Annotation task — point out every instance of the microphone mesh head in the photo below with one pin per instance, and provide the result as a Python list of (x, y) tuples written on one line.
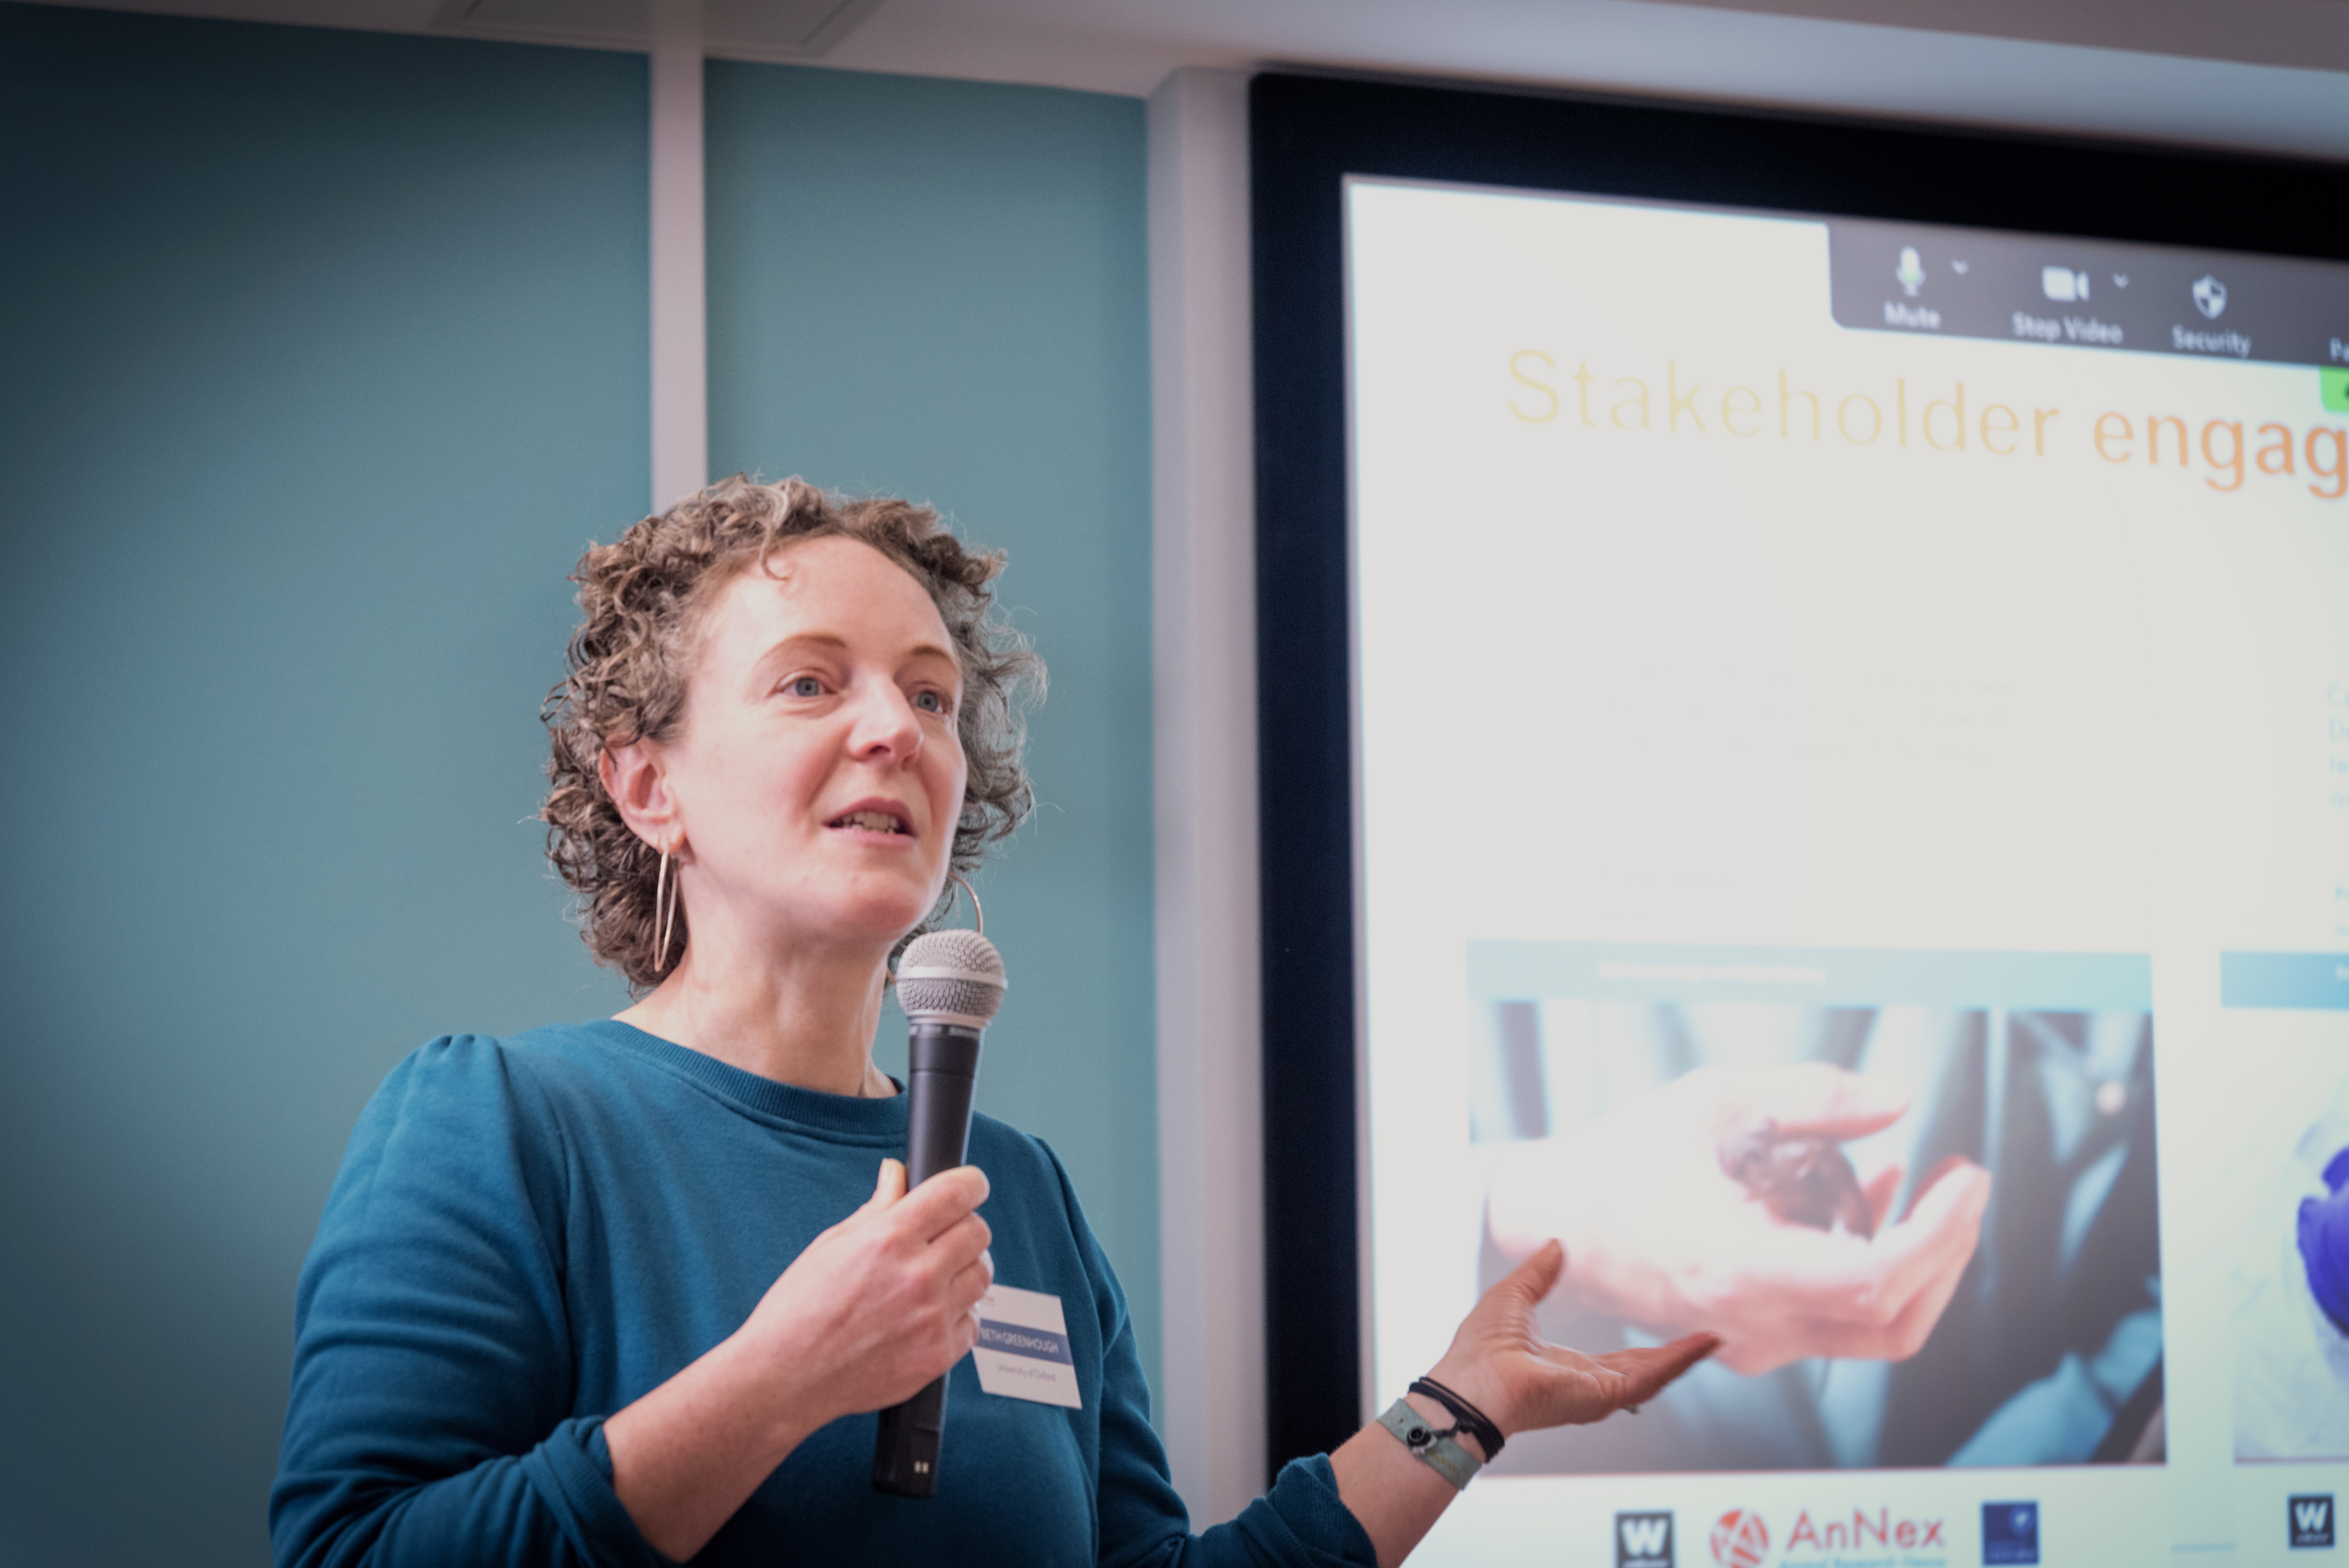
[(956, 972)]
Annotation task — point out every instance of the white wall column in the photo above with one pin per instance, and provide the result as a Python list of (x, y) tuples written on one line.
[(1202, 565), (681, 347)]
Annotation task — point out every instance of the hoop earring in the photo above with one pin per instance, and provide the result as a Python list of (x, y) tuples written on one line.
[(665, 896), (976, 914)]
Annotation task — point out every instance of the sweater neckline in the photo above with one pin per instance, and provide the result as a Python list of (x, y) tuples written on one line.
[(812, 1111)]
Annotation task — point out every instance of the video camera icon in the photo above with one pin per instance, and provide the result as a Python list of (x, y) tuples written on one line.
[(2063, 284)]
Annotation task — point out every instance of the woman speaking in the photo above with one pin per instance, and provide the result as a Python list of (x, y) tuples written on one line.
[(631, 1291)]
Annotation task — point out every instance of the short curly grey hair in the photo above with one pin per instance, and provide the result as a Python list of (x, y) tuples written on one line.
[(642, 599)]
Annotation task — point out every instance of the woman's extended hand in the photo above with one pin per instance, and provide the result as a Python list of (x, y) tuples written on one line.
[(873, 1310), (1500, 1363)]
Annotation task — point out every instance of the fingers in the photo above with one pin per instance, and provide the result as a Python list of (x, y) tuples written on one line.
[(960, 1245), (1935, 1240), (973, 1281), (1879, 1193), (1646, 1373), (959, 1302), (1559, 1387), (1959, 1199), (1933, 1178), (1840, 1278), (940, 1203), (888, 1186), (1915, 1324), (1821, 1100), (1878, 1300), (1532, 1281), (1816, 1293)]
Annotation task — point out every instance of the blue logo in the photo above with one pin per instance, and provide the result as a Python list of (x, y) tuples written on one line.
[(2010, 1533), (2312, 1520)]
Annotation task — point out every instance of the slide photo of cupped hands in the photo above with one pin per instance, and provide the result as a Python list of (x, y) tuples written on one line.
[(1925, 1233)]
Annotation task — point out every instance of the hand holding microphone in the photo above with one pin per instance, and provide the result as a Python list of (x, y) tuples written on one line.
[(880, 1308), (870, 1316), (881, 1303)]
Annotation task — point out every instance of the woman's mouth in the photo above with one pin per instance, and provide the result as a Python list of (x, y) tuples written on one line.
[(871, 819)]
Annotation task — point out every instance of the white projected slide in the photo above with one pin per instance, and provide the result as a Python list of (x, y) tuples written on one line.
[(1855, 842)]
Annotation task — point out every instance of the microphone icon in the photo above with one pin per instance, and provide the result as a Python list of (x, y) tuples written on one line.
[(1911, 271)]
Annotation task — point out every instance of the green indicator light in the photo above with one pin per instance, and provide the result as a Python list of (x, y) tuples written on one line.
[(2337, 388)]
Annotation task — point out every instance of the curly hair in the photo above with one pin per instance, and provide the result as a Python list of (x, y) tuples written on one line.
[(643, 600)]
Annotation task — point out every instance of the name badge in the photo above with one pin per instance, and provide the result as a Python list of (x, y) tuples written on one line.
[(1023, 1347)]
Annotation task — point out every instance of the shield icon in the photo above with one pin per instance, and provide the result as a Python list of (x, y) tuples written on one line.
[(2209, 296)]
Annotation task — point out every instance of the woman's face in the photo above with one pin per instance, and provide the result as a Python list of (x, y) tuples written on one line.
[(819, 776)]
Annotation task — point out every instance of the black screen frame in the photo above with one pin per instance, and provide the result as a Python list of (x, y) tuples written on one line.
[(1307, 133)]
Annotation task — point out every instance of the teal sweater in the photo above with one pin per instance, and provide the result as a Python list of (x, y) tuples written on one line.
[(529, 1233)]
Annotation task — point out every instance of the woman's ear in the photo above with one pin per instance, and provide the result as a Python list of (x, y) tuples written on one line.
[(638, 785)]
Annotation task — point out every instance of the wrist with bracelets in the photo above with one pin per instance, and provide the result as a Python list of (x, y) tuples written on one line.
[(1437, 1447)]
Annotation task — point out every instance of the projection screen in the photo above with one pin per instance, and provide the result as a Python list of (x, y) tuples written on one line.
[(1851, 727)]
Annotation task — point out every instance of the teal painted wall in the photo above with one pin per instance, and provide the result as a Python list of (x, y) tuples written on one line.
[(322, 354), (938, 289)]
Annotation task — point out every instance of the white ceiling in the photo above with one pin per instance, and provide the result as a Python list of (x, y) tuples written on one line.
[(2255, 74)]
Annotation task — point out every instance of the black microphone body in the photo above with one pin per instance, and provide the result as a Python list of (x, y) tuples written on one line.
[(941, 1078), (942, 1073)]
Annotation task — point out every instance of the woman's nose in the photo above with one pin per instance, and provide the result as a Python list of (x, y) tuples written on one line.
[(885, 725)]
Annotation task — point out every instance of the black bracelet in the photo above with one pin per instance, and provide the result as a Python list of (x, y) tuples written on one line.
[(1473, 1421)]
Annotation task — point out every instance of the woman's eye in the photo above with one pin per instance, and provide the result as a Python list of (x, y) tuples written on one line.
[(807, 685), (929, 702)]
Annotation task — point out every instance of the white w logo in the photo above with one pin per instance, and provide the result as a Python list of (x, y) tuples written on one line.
[(1644, 1537), (2310, 1515)]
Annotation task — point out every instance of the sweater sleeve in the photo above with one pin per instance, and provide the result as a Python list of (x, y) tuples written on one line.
[(429, 1420), (1301, 1524)]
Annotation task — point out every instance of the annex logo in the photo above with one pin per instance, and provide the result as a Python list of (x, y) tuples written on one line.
[(2312, 1520), (2010, 1533), (1740, 1539), (1866, 1533), (1643, 1541)]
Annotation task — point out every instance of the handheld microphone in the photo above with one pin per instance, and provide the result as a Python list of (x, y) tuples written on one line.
[(949, 982)]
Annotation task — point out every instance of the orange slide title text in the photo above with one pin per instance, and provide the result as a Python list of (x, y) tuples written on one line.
[(2225, 451)]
